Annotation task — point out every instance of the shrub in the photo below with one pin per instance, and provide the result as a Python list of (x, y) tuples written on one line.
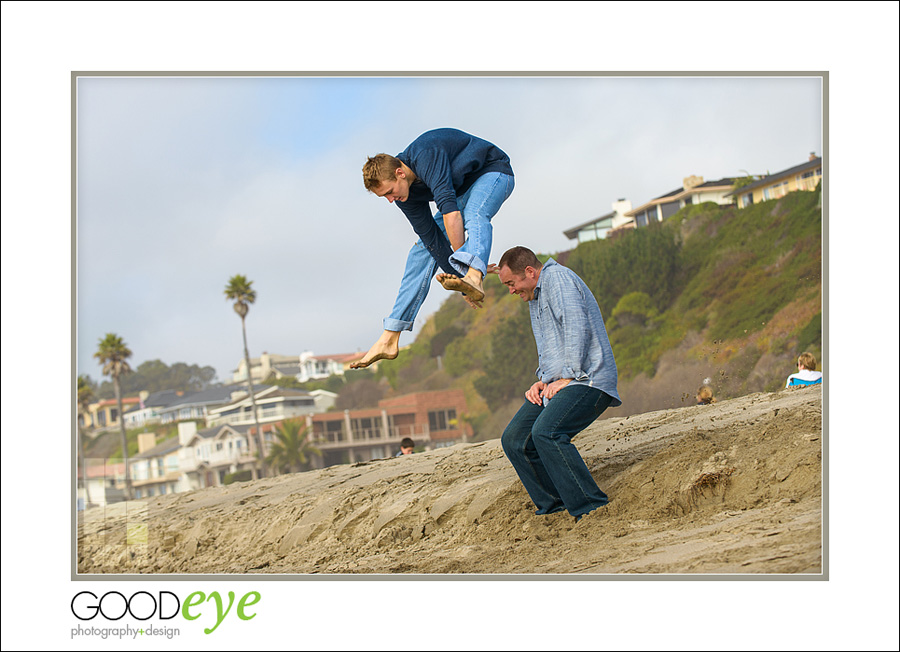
[(238, 476)]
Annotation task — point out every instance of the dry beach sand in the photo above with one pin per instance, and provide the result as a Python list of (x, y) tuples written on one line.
[(733, 488)]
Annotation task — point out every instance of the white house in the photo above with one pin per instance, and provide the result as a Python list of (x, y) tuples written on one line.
[(599, 227), (303, 367), (155, 470), (694, 191), (196, 405), (273, 404), (105, 483), (149, 410), (205, 457)]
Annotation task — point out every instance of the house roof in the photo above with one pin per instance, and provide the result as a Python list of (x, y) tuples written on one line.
[(111, 401), (766, 180), (725, 182), (162, 448), (287, 368), (211, 396), (104, 470), (160, 399), (572, 233), (263, 392)]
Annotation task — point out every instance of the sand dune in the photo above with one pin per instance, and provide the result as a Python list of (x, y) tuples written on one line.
[(730, 488)]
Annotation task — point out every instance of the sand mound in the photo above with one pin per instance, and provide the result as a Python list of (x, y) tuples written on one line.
[(729, 488)]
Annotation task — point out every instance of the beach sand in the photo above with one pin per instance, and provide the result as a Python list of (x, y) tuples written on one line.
[(733, 488)]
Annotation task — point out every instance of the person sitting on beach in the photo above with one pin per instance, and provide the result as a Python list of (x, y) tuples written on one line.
[(468, 179), (806, 372), (406, 447), (705, 395)]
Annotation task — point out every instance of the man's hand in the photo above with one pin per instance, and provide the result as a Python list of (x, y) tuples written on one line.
[(492, 269), (550, 390), (456, 233), (534, 393)]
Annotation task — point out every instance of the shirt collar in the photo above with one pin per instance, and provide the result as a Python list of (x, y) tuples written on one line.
[(537, 288)]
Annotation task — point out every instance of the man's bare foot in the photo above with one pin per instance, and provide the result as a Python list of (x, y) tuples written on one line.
[(470, 285), (386, 348), (473, 303)]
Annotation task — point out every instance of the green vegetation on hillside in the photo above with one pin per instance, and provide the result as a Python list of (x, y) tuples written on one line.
[(745, 283)]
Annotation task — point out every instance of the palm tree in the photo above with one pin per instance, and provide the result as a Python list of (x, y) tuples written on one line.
[(292, 448), (85, 398), (239, 291), (112, 354)]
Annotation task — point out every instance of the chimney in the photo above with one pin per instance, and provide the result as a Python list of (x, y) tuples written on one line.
[(812, 156), (146, 441), (186, 430), (692, 181)]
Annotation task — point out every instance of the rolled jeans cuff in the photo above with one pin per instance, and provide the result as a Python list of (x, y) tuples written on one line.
[(397, 325), (463, 260)]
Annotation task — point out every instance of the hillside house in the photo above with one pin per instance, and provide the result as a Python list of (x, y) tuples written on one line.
[(805, 176), (693, 191), (155, 469), (599, 227), (196, 405), (206, 456), (303, 367), (273, 404), (150, 406), (104, 414), (431, 419), (105, 483)]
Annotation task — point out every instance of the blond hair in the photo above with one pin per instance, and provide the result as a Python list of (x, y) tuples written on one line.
[(807, 360), (705, 395), (378, 169)]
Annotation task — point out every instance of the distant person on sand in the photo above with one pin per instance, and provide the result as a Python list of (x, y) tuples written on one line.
[(468, 179), (577, 381), (806, 372), (406, 447), (705, 395)]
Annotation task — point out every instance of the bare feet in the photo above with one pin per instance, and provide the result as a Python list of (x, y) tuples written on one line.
[(470, 284), (386, 348)]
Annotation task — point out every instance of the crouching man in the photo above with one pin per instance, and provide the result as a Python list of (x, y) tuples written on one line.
[(577, 381)]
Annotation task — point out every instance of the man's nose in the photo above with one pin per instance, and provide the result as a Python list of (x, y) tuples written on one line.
[(390, 198)]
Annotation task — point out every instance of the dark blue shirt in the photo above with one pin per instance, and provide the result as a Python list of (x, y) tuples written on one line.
[(446, 163)]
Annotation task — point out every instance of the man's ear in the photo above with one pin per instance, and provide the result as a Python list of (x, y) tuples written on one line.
[(399, 173)]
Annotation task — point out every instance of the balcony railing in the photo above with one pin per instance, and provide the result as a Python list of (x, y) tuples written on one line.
[(371, 436)]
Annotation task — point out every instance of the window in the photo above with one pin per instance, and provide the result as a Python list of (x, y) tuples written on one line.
[(442, 420), (334, 430)]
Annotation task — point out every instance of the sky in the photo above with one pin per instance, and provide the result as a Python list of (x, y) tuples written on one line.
[(183, 182), (246, 160)]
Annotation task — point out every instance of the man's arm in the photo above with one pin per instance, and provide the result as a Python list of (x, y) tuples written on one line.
[(419, 216), (453, 222)]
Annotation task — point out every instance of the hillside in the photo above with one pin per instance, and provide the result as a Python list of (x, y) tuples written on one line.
[(730, 488), (717, 293)]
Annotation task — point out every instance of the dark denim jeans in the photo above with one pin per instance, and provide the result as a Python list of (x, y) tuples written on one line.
[(538, 443)]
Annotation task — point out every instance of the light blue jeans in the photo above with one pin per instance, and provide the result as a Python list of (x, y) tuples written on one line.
[(478, 206)]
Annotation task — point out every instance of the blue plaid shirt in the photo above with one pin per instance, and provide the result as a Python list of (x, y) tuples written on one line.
[(569, 332)]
